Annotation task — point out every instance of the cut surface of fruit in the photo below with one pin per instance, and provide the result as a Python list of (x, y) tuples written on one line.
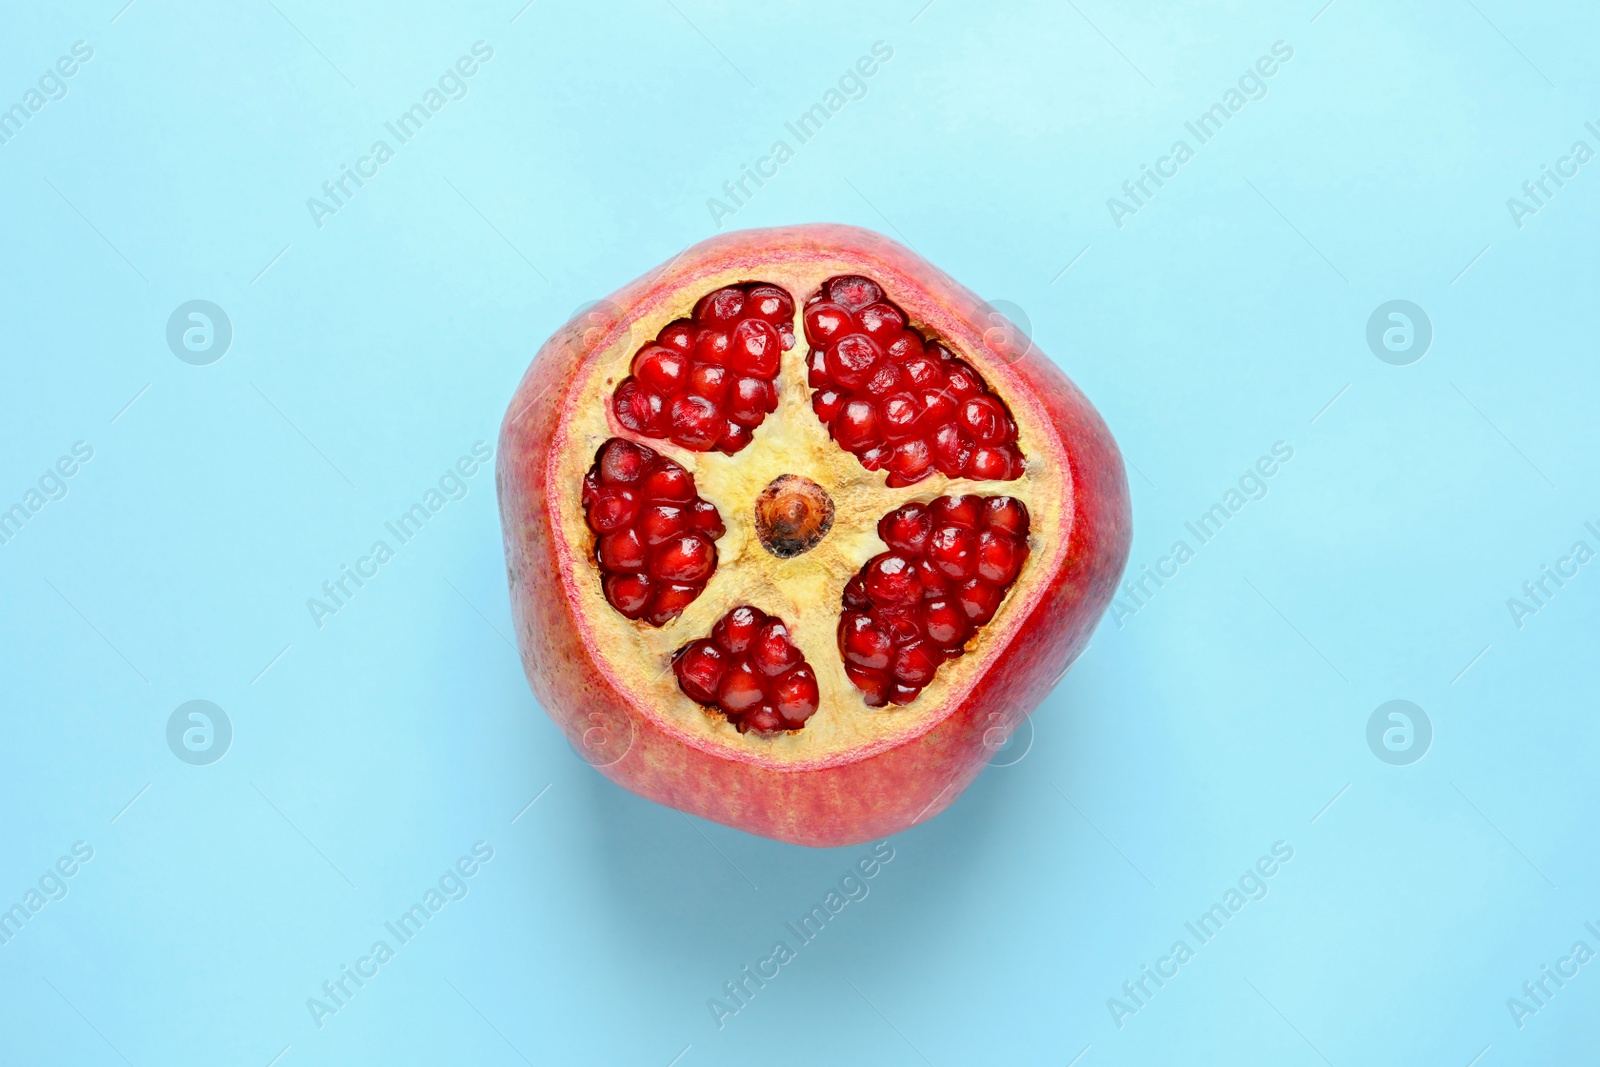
[(706, 381), (750, 672), (655, 538), (897, 401), (815, 632)]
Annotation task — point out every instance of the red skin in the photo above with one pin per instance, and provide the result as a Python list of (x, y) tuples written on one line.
[(892, 784)]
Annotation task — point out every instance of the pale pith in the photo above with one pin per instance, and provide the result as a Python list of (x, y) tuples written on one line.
[(804, 591)]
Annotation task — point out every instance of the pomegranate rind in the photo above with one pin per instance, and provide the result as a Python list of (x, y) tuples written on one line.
[(905, 775)]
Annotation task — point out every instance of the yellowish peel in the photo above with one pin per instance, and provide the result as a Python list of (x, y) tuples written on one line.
[(804, 591)]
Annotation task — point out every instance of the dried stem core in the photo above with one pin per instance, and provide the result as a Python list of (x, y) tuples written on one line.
[(793, 514)]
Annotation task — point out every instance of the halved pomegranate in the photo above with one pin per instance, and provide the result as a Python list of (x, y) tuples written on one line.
[(809, 632)]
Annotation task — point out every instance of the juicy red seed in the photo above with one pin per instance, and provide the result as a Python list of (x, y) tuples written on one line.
[(755, 349), (853, 291), (947, 623), (662, 521), (749, 671), (1006, 513), (915, 663), (690, 558), (862, 643), (999, 557), (654, 536), (724, 305), (795, 695), (922, 393), (908, 610), (849, 359), (638, 409), (771, 652), (827, 403), (696, 422), (733, 438), (661, 369), (979, 600), (954, 551), (735, 630), (669, 602), (621, 462), (964, 510), (752, 399), (711, 382), (910, 462), (611, 508), (700, 667), (622, 552), (898, 413), (874, 685), (891, 580), (856, 426), (682, 385), (906, 528), (763, 720), (629, 593)]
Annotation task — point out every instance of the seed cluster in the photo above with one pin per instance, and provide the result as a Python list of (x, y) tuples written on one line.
[(656, 542), (910, 609), (750, 672), (895, 400), (709, 380)]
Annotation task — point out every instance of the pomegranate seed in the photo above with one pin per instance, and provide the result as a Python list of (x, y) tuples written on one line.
[(862, 643), (874, 685), (979, 600), (1006, 513), (771, 652), (740, 689), (661, 522), (621, 462), (622, 552), (655, 537), (700, 667), (853, 291), (908, 610), (711, 382), (752, 399), (735, 630), (661, 370), (856, 426), (961, 428), (891, 580), (611, 508), (689, 559), (669, 602), (999, 557), (629, 593), (849, 360), (755, 349), (795, 695), (682, 386), (750, 672), (724, 305)]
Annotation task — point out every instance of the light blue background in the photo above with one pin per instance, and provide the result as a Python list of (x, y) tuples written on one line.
[(1228, 314)]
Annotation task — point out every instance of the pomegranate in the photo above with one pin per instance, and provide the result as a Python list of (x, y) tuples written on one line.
[(796, 589)]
